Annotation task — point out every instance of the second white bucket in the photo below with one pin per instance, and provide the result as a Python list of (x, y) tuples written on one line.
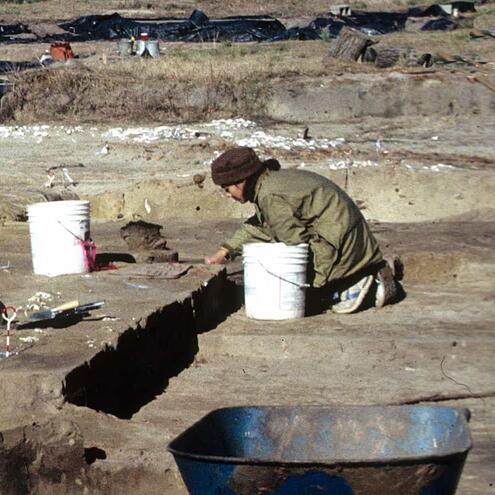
[(58, 232), (274, 280)]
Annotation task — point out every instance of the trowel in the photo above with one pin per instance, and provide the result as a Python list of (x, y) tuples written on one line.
[(66, 310), (53, 312)]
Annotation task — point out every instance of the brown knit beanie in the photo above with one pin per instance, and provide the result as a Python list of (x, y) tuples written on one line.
[(235, 165)]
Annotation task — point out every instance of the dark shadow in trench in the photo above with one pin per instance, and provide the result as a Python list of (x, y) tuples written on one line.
[(120, 380)]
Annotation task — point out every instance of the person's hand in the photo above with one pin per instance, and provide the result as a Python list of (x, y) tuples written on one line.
[(219, 258)]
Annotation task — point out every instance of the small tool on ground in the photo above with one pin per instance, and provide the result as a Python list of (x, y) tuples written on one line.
[(53, 312), (65, 311)]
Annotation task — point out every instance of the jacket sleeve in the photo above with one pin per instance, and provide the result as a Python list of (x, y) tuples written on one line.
[(251, 231), (282, 221)]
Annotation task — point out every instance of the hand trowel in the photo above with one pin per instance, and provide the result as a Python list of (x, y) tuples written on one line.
[(66, 310), (49, 314)]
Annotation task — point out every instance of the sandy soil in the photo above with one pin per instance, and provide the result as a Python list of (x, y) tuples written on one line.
[(424, 180), (435, 346)]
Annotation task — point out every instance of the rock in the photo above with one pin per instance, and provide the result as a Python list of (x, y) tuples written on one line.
[(199, 179), (143, 235)]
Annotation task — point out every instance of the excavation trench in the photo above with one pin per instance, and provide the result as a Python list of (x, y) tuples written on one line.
[(120, 379)]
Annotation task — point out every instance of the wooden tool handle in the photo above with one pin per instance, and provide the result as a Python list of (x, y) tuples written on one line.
[(64, 307)]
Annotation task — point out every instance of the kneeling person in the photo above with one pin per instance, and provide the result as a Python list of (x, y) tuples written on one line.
[(296, 206)]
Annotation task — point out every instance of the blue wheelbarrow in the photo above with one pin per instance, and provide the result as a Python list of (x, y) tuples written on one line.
[(313, 450)]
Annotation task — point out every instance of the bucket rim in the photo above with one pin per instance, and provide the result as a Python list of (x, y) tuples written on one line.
[(274, 245), (260, 461), (58, 204)]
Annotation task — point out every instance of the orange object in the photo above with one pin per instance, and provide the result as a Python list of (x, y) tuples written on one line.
[(61, 52)]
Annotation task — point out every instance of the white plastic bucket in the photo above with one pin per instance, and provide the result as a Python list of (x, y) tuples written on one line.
[(152, 46), (274, 280), (58, 230), (125, 47)]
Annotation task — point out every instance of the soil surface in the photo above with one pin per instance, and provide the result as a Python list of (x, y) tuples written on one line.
[(435, 346), (124, 381)]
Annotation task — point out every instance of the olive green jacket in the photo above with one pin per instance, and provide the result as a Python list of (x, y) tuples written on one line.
[(294, 206)]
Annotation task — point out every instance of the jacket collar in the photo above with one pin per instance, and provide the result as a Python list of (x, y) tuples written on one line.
[(257, 186)]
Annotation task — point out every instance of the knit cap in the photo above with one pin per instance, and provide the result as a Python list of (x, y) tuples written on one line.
[(235, 165)]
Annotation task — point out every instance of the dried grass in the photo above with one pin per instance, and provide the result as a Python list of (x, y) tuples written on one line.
[(187, 83)]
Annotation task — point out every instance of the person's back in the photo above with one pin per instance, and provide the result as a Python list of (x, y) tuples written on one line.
[(310, 196), (301, 206)]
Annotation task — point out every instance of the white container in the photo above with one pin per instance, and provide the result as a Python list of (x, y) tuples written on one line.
[(274, 280), (58, 231), (151, 46), (124, 47)]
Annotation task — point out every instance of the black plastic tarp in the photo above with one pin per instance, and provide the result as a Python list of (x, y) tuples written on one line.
[(13, 29), (6, 67), (200, 28), (245, 28), (197, 28)]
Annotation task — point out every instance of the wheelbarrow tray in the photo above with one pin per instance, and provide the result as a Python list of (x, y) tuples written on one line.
[(406, 450)]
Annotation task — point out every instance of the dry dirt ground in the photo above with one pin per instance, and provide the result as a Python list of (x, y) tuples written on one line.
[(98, 400), (435, 346)]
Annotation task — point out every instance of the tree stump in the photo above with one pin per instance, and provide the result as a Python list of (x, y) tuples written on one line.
[(404, 56), (350, 44)]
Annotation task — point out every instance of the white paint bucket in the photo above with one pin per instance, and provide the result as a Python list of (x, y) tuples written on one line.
[(274, 280), (151, 46), (58, 232)]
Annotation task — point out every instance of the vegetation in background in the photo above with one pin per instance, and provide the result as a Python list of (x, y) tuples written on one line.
[(186, 83), (19, 1), (196, 81)]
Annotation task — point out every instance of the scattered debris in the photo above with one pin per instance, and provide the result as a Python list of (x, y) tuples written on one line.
[(105, 150), (50, 178), (46, 59), (67, 178), (305, 134), (61, 52), (41, 297), (199, 179), (30, 339), (137, 286), (484, 81), (477, 34)]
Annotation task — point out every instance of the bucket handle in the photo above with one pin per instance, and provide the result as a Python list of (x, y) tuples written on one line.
[(89, 248), (300, 286)]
